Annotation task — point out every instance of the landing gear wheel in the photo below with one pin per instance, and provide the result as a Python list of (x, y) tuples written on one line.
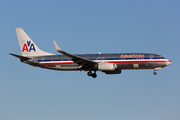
[(94, 75), (155, 73), (89, 73)]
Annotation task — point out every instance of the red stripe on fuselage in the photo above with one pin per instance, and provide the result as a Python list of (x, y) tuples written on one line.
[(120, 61), (56, 63)]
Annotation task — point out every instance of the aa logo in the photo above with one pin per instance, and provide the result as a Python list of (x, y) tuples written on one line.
[(28, 45)]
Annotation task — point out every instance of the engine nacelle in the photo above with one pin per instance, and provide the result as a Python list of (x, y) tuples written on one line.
[(107, 66)]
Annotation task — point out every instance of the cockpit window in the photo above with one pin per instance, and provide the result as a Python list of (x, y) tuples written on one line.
[(161, 57)]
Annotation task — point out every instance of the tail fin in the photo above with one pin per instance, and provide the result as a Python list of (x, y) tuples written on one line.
[(27, 46)]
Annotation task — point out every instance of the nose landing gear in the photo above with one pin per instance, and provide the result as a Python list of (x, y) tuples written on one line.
[(94, 75), (155, 73), (155, 69)]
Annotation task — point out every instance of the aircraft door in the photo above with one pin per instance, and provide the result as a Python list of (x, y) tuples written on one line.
[(151, 57)]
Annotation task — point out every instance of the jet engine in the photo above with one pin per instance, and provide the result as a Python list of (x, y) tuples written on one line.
[(107, 66)]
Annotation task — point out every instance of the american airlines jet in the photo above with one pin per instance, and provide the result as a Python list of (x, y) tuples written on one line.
[(107, 63)]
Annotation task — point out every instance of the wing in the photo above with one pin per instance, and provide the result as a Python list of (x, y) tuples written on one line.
[(77, 59)]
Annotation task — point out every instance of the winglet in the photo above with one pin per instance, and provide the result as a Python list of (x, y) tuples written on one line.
[(56, 46)]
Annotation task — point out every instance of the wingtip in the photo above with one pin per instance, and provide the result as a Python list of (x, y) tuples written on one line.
[(56, 46), (10, 54)]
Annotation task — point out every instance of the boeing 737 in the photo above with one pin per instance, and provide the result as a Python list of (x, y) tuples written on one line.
[(107, 63)]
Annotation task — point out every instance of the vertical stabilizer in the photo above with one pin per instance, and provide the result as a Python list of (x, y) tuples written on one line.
[(27, 46)]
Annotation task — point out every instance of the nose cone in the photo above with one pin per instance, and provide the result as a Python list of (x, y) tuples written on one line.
[(168, 62)]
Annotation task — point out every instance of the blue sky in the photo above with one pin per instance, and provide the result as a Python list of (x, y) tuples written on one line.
[(94, 26)]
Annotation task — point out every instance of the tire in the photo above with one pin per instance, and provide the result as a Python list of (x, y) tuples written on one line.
[(94, 75)]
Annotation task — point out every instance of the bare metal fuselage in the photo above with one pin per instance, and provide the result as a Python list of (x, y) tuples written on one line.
[(127, 61)]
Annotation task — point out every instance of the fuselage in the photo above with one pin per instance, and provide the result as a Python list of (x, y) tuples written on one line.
[(122, 60)]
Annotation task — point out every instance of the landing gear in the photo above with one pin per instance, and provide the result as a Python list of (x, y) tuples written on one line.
[(94, 75), (89, 73), (155, 73), (155, 69)]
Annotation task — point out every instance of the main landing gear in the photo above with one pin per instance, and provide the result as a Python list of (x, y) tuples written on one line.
[(94, 75)]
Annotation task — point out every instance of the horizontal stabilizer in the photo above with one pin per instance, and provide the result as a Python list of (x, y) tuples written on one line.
[(20, 57)]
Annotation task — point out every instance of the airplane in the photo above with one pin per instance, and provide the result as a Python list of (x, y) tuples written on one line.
[(107, 63)]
